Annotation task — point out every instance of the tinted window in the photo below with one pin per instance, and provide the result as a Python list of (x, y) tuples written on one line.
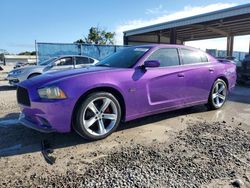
[(65, 61), (166, 57), (203, 57), (82, 60), (125, 58), (91, 60), (191, 57)]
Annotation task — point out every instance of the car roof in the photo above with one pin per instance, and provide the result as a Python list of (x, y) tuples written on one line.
[(62, 56), (72, 56), (166, 46)]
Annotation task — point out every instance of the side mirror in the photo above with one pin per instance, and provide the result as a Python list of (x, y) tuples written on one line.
[(152, 63), (53, 64)]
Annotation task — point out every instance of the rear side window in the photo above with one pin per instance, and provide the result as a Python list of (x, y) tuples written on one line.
[(166, 56), (91, 60), (82, 60), (192, 57), (204, 57)]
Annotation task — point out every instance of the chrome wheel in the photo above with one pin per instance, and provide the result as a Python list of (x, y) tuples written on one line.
[(219, 94), (100, 116)]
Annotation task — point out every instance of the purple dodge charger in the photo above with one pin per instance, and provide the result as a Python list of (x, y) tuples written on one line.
[(133, 83)]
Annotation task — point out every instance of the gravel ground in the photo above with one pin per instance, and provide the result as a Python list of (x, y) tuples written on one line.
[(4, 72), (198, 155), (8, 102), (192, 147)]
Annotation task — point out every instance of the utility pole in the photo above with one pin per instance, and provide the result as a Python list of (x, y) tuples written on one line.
[(36, 53), (230, 44), (249, 47)]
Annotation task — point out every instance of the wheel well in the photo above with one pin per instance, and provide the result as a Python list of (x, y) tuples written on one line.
[(224, 79), (111, 90), (37, 73)]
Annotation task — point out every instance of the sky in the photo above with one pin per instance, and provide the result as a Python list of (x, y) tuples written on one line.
[(65, 21)]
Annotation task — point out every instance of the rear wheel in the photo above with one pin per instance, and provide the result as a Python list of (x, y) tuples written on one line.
[(97, 116), (218, 95)]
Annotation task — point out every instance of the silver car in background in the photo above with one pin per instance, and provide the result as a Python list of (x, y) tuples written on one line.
[(54, 64)]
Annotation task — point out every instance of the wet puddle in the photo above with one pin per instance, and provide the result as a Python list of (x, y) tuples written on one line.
[(9, 122), (10, 149)]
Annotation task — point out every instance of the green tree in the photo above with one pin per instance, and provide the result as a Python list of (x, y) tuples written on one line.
[(27, 53), (79, 41), (98, 36)]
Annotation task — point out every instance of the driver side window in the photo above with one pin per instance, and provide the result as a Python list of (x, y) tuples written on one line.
[(64, 62), (166, 56)]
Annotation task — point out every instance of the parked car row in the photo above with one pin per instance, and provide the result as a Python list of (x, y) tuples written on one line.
[(132, 83), (22, 64), (234, 60), (54, 64), (243, 72), (243, 67)]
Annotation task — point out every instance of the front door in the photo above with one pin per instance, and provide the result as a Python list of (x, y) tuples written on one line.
[(165, 84)]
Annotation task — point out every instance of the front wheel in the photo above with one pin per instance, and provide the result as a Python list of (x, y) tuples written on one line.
[(218, 95), (97, 116)]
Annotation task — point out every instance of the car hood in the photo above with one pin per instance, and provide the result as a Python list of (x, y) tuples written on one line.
[(29, 68), (54, 76)]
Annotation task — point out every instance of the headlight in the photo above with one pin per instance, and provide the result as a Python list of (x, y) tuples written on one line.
[(51, 93), (15, 72)]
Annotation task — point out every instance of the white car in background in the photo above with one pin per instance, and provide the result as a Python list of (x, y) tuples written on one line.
[(54, 64)]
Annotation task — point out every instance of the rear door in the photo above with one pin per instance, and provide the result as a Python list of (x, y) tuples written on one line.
[(199, 75)]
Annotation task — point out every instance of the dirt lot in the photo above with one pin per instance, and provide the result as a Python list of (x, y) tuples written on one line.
[(192, 147)]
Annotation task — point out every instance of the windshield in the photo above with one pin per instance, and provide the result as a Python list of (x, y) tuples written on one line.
[(48, 61), (126, 58)]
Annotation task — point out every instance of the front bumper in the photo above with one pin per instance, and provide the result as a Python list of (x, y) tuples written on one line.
[(44, 115), (13, 81), (47, 116), (42, 127)]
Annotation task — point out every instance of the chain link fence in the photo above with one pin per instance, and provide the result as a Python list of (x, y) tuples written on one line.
[(49, 50)]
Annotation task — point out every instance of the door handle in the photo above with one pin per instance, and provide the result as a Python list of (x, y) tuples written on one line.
[(181, 75), (211, 69)]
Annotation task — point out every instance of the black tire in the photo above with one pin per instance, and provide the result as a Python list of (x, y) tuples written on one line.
[(78, 122), (211, 102), (33, 75)]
